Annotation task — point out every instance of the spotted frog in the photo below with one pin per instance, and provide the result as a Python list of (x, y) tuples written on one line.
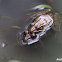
[(43, 20)]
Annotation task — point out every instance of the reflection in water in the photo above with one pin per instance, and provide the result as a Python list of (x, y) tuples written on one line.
[(3, 44), (14, 61)]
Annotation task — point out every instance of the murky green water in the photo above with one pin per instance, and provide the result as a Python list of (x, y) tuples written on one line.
[(15, 9)]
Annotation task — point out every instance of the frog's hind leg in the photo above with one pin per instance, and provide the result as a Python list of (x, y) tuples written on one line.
[(56, 24)]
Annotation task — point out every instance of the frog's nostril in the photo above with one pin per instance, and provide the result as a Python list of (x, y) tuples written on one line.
[(33, 35)]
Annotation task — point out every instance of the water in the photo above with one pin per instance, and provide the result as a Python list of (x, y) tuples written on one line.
[(48, 51)]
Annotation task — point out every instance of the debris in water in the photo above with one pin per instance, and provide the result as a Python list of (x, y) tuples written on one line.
[(3, 44), (13, 61)]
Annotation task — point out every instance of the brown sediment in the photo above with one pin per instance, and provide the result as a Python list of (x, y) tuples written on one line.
[(50, 1)]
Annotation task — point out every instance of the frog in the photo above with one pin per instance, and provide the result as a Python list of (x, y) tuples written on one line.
[(43, 21)]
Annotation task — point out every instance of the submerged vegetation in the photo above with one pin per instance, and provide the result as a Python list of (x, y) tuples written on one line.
[(17, 27), (5, 29)]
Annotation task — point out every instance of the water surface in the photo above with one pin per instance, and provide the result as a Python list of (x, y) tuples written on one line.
[(15, 9)]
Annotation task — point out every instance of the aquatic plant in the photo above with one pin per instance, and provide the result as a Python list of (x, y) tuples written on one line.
[(42, 6), (17, 27)]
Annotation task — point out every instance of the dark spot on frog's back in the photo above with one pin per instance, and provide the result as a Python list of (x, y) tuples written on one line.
[(38, 29), (41, 28)]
